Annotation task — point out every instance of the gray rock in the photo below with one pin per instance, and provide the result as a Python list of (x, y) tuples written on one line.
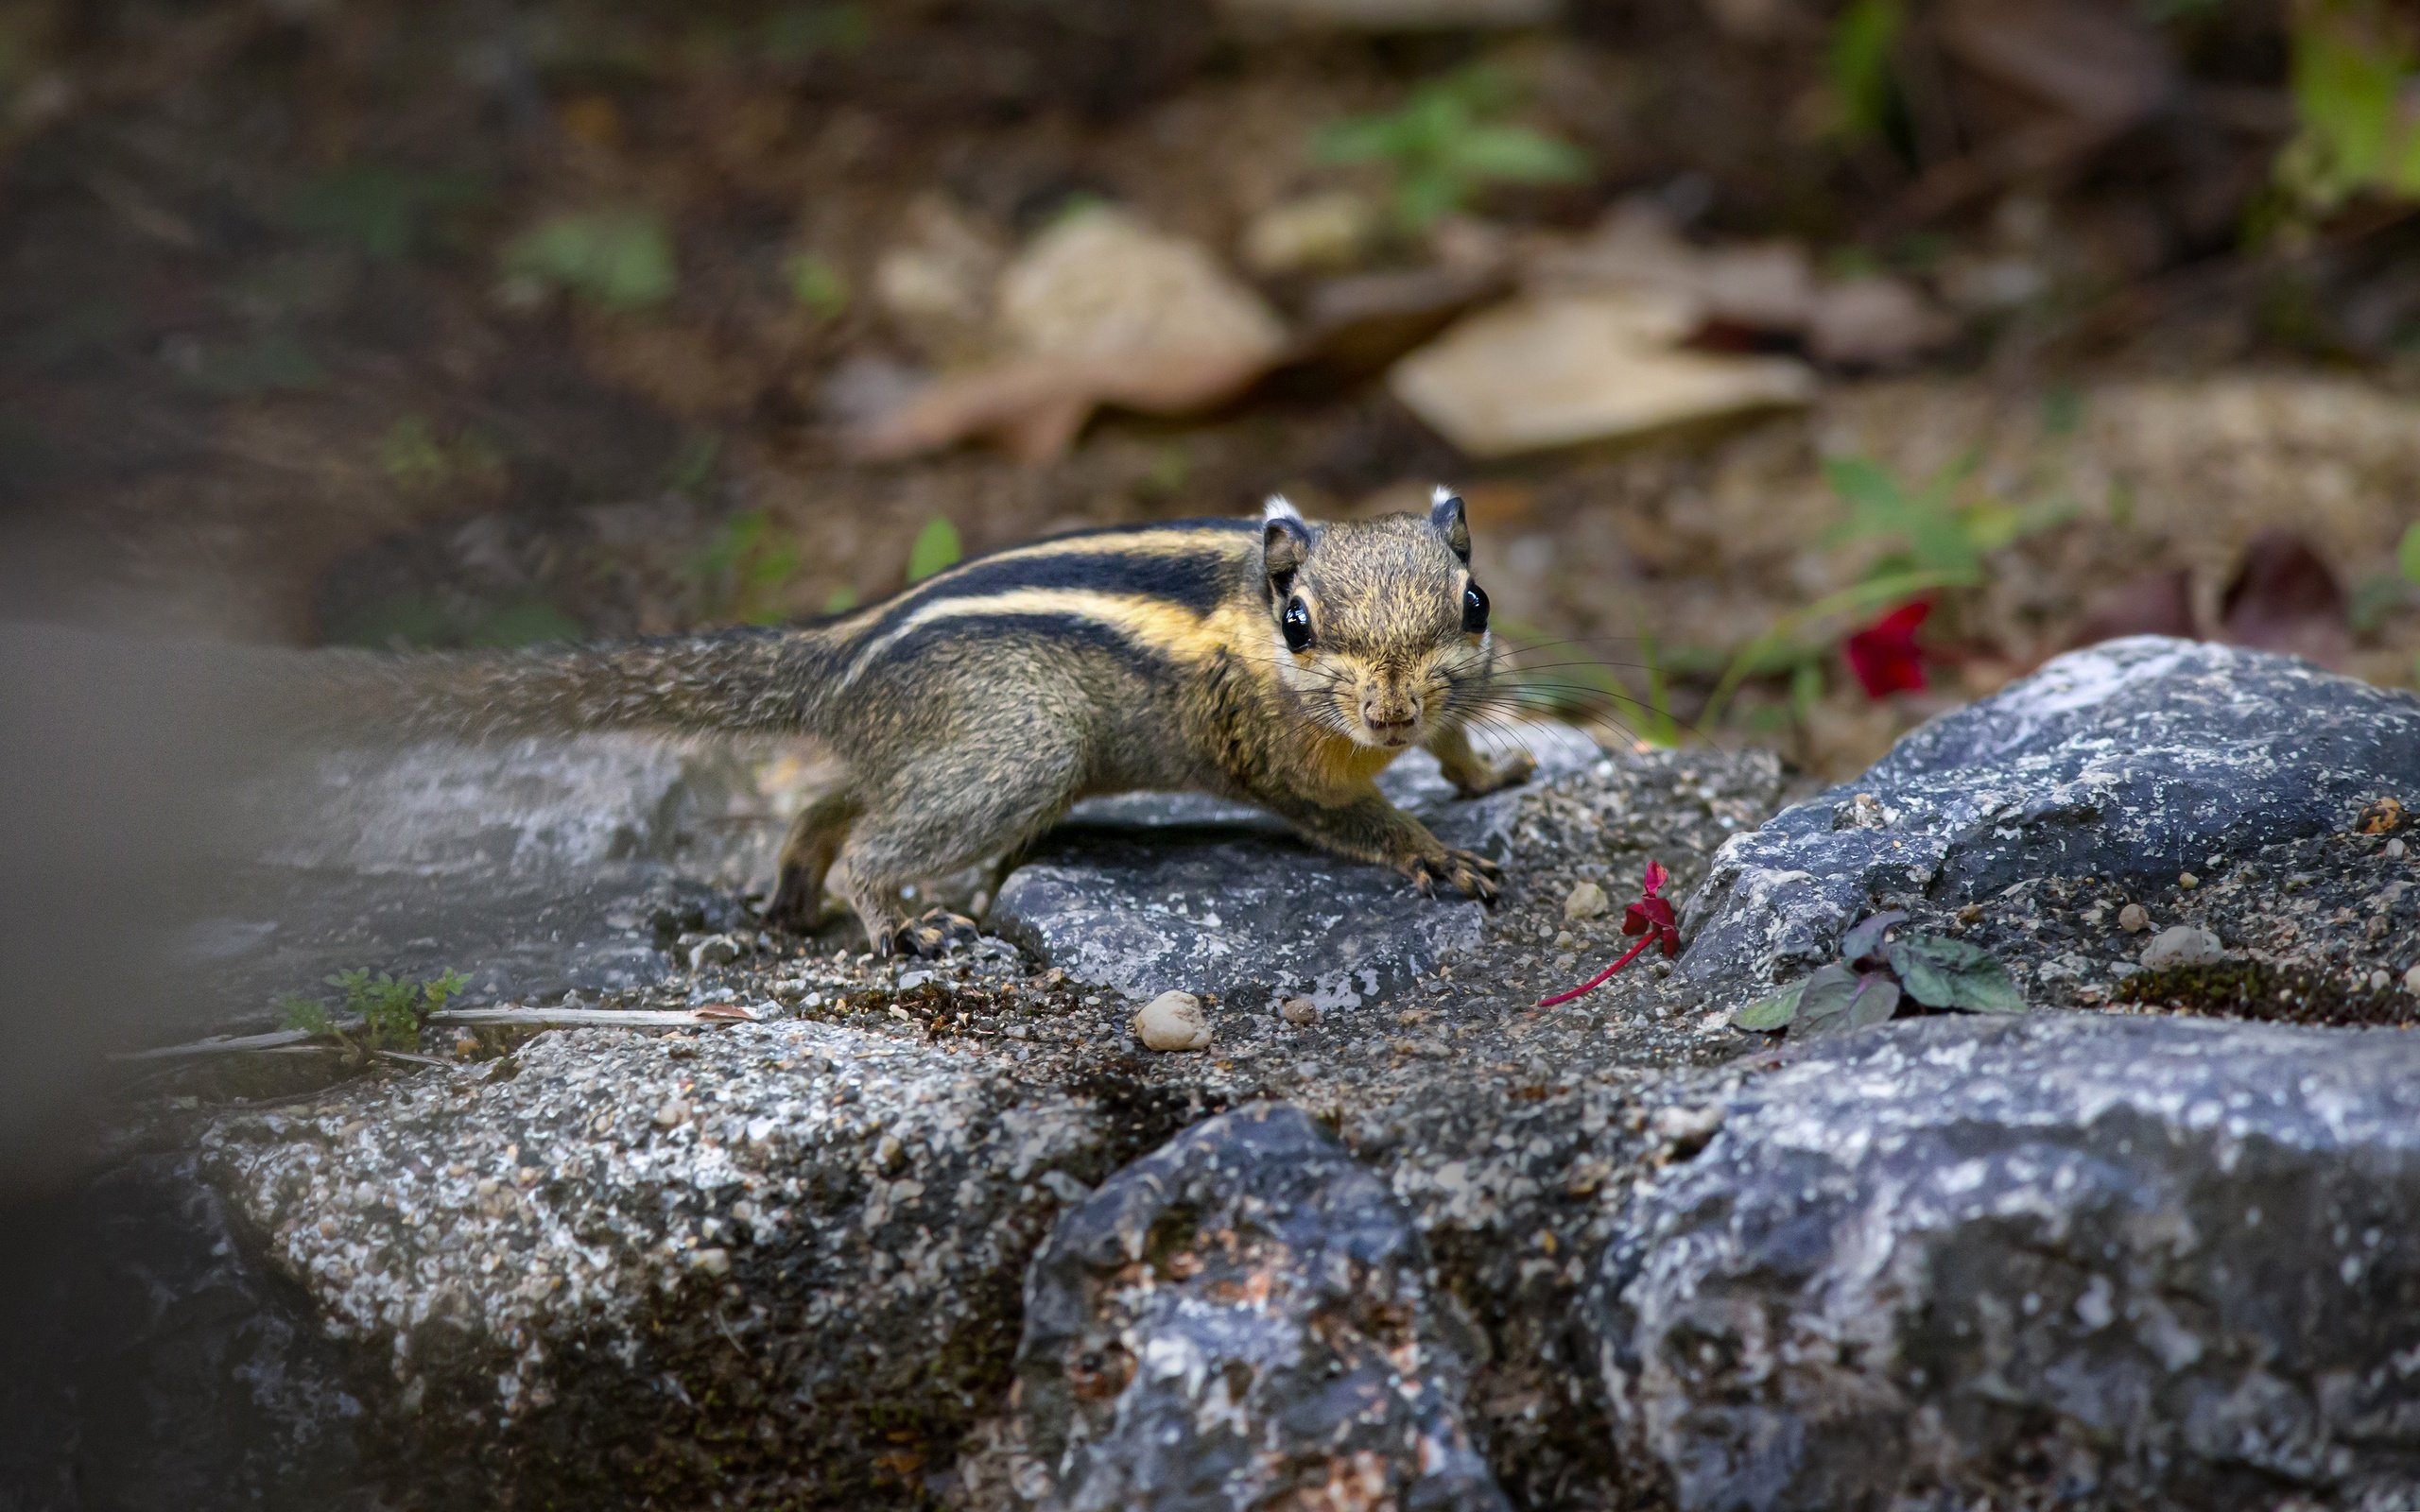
[(767, 1239), (1244, 1320), (1155, 893), (2112, 1262), (2134, 760)]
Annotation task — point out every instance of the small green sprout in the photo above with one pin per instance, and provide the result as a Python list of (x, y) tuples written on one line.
[(390, 1009), (1445, 145)]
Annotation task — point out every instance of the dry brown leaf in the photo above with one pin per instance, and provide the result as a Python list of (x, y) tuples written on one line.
[(1551, 371), (1034, 408), (1100, 310)]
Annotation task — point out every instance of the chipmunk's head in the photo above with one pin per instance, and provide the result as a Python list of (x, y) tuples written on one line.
[(1376, 625)]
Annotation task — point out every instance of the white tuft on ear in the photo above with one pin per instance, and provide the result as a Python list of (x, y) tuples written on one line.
[(1439, 496), (1280, 508)]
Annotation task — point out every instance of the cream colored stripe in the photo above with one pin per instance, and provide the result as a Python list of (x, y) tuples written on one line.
[(1151, 622)]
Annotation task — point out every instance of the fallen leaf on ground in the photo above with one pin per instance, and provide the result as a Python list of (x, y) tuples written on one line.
[(1100, 310), (1558, 369)]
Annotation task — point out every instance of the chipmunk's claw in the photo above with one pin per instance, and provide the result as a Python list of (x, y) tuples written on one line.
[(935, 932), (1466, 871)]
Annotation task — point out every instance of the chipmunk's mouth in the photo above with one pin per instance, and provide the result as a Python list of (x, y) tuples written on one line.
[(1397, 733)]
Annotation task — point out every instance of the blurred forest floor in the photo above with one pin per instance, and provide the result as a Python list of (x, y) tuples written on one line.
[(1807, 367)]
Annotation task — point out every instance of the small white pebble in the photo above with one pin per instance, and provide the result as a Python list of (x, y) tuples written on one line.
[(2133, 919), (2394, 850), (1299, 1012), (1172, 1021), (2411, 980), (672, 1114), (2182, 945), (2187, 880), (2377, 981), (713, 1262), (1585, 900)]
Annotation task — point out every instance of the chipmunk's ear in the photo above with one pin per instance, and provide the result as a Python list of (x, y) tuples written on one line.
[(1285, 540), (1446, 513)]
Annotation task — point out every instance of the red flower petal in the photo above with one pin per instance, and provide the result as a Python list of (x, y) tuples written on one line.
[(1884, 654), (1651, 919)]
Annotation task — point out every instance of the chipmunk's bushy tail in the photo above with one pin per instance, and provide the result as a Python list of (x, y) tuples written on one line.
[(748, 681)]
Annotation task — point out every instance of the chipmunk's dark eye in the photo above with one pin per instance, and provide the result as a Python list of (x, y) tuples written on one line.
[(1296, 623), (1473, 609)]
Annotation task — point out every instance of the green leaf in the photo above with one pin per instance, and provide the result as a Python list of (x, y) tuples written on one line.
[(1772, 1011), (936, 547), (1866, 939), (1361, 139), (1516, 154), (1876, 998), (1866, 483), (2407, 556), (840, 600), (1951, 973), (1824, 1005), (817, 284), (615, 259), (298, 1012), (1424, 199)]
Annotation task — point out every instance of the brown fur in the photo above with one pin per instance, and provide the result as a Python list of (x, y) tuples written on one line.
[(972, 709)]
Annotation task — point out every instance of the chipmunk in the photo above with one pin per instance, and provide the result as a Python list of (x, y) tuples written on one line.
[(1277, 661)]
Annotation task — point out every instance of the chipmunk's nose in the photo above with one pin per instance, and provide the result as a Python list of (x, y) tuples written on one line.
[(1392, 714)]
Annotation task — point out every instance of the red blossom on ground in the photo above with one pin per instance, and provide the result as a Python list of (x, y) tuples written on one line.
[(1649, 919), (1884, 654)]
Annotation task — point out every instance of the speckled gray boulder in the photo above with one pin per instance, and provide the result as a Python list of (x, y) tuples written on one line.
[(1149, 894), (1245, 1319), (2065, 1260), (756, 1266), (2137, 759)]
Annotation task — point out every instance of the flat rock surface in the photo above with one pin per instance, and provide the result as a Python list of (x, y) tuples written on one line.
[(2070, 1258), (1151, 894), (2134, 762)]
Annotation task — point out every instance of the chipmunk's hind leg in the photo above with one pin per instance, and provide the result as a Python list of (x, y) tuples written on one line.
[(945, 812), (814, 842)]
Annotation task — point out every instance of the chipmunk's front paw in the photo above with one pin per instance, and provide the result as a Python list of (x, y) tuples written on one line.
[(1511, 771), (935, 932), (1466, 871)]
